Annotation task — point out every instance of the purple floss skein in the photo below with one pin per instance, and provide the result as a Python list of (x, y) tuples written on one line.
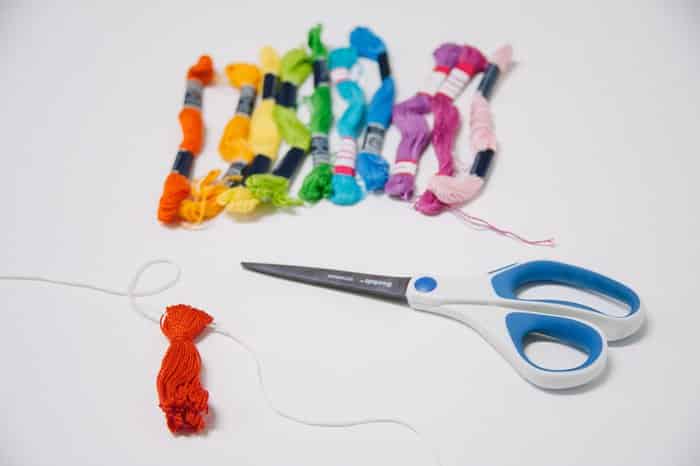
[(447, 121), (409, 118)]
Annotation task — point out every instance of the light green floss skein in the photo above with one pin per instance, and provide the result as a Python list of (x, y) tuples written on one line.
[(317, 184), (295, 67)]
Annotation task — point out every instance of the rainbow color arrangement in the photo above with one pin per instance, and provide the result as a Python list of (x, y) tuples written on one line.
[(345, 174)]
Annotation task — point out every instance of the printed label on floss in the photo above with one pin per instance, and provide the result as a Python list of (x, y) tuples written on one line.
[(321, 75), (246, 101), (193, 94), (320, 150), (374, 139)]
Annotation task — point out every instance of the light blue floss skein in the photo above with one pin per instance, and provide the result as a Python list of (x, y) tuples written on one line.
[(346, 191), (372, 167)]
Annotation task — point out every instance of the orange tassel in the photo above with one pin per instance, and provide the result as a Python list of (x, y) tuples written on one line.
[(182, 398)]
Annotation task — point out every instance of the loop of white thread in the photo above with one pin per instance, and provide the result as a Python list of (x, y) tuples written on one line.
[(132, 293)]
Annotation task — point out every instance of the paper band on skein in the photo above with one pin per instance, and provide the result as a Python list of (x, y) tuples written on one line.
[(321, 75), (435, 79), (260, 164), (384, 67), (320, 150), (287, 95), (373, 141), (234, 174), (290, 163), (183, 162), (246, 101), (455, 83), (269, 87), (193, 94), (404, 168), (345, 157), (482, 161), (339, 75), (488, 81)]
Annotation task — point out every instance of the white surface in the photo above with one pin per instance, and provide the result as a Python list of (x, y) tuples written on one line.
[(598, 124)]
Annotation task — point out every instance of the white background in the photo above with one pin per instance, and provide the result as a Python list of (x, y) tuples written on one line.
[(599, 129)]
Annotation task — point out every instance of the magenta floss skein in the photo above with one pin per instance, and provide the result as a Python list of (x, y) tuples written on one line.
[(447, 121), (346, 191), (456, 191), (371, 166), (409, 117)]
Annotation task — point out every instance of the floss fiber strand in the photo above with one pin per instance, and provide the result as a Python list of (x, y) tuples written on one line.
[(177, 186), (409, 117), (447, 121), (180, 393), (264, 138), (317, 184), (346, 191), (272, 188), (371, 166)]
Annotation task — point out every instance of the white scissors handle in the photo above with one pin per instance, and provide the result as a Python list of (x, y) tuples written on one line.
[(490, 305), (506, 331)]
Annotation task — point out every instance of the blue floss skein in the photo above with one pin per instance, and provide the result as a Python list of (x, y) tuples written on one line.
[(346, 191), (371, 166)]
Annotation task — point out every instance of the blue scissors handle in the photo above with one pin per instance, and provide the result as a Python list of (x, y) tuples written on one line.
[(507, 282)]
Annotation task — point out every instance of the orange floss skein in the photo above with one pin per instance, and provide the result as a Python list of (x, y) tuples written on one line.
[(182, 397), (177, 185), (234, 146)]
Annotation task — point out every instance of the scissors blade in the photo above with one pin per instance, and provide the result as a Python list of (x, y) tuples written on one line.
[(378, 286)]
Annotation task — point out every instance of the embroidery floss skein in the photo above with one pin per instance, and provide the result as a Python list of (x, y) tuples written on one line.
[(409, 117), (371, 166), (177, 185), (447, 121), (264, 138), (317, 184), (182, 321), (234, 146), (459, 190), (272, 188), (346, 191)]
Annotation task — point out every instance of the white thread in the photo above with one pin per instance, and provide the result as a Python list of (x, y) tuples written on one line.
[(131, 293)]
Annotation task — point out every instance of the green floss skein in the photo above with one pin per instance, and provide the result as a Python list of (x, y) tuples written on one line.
[(272, 188), (317, 184)]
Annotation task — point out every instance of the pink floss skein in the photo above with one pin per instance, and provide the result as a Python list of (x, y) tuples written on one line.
[(456, 191), (447, 121), (409, 117)]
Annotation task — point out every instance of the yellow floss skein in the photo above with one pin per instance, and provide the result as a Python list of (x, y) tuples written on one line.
[(202, 205), (234, 145), (264, 139)]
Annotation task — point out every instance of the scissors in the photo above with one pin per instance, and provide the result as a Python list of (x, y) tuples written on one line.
[(489, 304)]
